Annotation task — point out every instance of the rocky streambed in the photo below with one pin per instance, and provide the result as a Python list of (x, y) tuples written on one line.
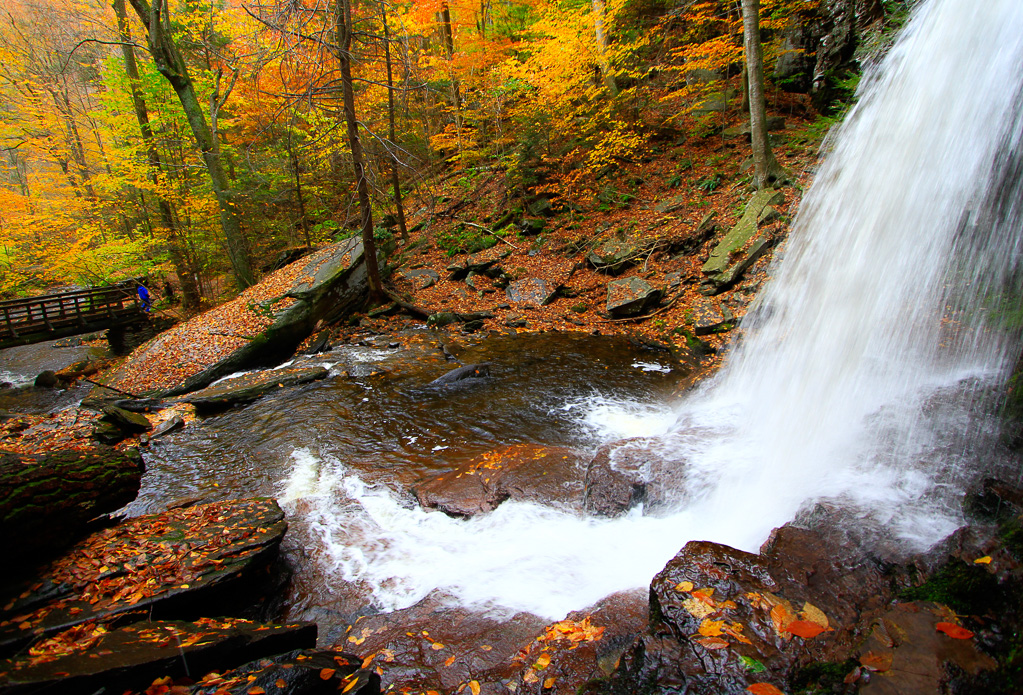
[(205, 589)]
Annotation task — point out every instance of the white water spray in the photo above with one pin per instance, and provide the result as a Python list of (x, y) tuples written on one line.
[(902, 246)]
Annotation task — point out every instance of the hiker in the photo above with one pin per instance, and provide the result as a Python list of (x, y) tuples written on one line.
[(143, 297)]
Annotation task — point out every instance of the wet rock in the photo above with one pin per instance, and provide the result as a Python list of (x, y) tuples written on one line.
[(249, 387), (480, 283), (422, 278), (523, 472), (433, 646), (584, 647), (741, 247), (125, 420), (169, 425), (46, 500), (516, 321), (909, 654), (210, 558), (722, 619), (441, 319), (631, 296), (532, 291), (46, 380), (469, 371), (302, 672), (91, 659), (710, 316), (627, 473)]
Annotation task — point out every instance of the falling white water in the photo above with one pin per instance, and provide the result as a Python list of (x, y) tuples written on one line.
[(901, 248)]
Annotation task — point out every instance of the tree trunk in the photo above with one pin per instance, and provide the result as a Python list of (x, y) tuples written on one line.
[(342, 47), (186, 276), (767, 170), (395, 182), (170, 63), (605, 66)]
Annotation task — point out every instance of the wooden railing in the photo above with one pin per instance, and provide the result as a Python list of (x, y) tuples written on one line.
[(50, 316)]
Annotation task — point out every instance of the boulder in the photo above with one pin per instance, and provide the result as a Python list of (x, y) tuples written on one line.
[(249, 387), (46, 380), (47, 500), (469, 371), (89, 658), (723, 620), (710, 316), (210, 558), (531, 226), (523, 472), (631, 296), (477, 262), (125, 420), (532, 292), (259, 327), (616, 255), (624, 474), (741, 246)]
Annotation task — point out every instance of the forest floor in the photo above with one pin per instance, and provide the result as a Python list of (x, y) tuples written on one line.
[(694, 177)]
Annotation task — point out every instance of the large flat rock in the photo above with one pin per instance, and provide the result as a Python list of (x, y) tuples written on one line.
[(261, 325), (249, 387), (88, 658), (170, 565)]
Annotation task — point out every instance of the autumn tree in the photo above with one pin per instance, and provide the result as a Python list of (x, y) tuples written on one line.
[(171, 64)]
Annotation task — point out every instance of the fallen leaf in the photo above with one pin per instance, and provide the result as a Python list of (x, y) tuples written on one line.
[(878, 662), (954, 631), (686, 586), (549, 683), (474, 687), (710, 642), (815, 615), (543, 661), (764, 689), (804, 629), (698, 609), (986, 560), (436, 645), (281, 683), (448, 662), (256, 691), (327, 673), (752, 665), (711, 628)]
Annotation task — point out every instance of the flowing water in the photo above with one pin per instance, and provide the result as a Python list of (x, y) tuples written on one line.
[(864, 378)]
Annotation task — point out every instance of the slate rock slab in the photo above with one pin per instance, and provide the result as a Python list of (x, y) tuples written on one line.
[(742, 245), (629, 472), (300, 672), (89, 657), (616, 255), (47, 499), (167, 565), (631, 296), (251, 386), (524, 472), (532, 291), (709, 316)]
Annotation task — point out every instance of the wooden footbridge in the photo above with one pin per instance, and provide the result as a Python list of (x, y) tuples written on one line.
[(52, 316)]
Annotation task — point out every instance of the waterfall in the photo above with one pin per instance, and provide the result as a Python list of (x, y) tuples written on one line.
[(862, 377)]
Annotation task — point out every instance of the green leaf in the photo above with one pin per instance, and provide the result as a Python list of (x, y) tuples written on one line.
[(752, 665)]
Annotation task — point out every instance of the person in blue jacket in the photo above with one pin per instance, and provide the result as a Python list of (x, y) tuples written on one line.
[(143, 297)]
